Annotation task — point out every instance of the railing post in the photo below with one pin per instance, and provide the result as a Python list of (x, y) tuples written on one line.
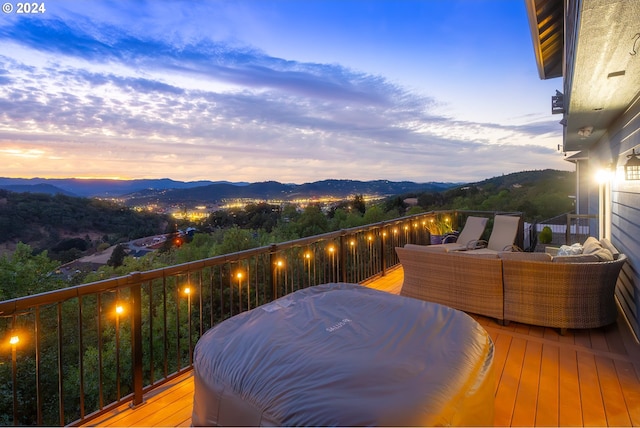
[(383, 248), (342, 265), (136, 337), (272, 267)]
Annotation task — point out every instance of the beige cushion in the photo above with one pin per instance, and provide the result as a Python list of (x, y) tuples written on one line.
[(591, 245), (472, 230), (551, 250), (609, 246), (478, 254), (594, 247), (579, 258), (604, 255), (519, 255), (427, 248), (505, 230)]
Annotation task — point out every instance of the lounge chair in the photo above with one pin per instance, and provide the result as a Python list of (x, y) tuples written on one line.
[(503, 235), (470, 234)]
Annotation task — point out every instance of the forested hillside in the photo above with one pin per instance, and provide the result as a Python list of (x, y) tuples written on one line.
[(538, 194), (58, 223)]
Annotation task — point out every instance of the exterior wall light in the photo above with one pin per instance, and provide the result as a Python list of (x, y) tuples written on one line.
[(585, 131), (632, 167)]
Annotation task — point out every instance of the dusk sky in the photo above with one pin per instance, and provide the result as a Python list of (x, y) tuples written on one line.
[(256, 90)]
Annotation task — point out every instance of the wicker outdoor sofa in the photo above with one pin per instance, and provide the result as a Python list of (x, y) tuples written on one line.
[(532, 288)]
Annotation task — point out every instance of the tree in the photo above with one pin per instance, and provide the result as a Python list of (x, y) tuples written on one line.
[(374, 214), (236, 239), (117, 256), (312, 222), (358, 204), (23, 273), (397, 203)]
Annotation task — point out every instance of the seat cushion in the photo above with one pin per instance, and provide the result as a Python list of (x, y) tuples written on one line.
[(578, 258), (593, 246)]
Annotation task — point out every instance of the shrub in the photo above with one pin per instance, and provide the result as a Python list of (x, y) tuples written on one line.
[(546, 236)]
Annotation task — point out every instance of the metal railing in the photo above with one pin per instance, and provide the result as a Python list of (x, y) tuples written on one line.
[(72, 354), (566, 228)]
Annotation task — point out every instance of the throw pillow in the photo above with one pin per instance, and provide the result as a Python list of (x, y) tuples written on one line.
[(593, 246), (570, 250), (609, 246)]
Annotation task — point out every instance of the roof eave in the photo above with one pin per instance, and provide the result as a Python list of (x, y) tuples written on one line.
[(546, 23)]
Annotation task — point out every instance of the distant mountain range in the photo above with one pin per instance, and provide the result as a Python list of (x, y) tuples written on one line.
[(98, 187), (171, 192)]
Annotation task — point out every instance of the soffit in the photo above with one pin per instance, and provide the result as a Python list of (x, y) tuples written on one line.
[(604, 75), (547, 30)]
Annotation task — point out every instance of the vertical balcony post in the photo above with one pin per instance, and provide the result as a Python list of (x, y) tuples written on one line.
[(272, 265), (136, 337), (383, 248), (14, 370), (342, 265)]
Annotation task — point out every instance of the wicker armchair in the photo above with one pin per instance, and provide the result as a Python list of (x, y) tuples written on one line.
[(561, 295)]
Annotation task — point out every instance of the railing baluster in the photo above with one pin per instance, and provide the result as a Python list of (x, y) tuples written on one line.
[(136, 337), (342, 257), (60, 366), (152, 365), (100, 365), (201, 303), (14, 373), (38, 379), (177, 325), (81, 356), (165, 339), (117, 337), (189, 319)]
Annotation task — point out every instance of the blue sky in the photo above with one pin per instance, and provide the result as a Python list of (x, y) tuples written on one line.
[(293, 91)]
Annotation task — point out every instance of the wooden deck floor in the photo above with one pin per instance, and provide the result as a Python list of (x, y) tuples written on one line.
[(584, 378)]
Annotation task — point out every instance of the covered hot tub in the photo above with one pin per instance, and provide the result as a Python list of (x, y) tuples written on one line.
[(344, 355)]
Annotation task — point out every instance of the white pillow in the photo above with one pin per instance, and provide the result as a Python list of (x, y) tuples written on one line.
[(570, 250)]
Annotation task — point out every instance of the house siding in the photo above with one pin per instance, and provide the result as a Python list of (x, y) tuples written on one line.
[(622, 136)]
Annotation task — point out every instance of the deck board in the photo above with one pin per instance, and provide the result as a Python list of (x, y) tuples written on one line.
[(614, 404), (524, 413), (590, 395), (547, 404), (582, 378), (629, 383), (508, 384), (569, 400)]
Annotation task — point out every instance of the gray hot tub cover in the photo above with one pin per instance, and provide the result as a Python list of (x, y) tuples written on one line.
[(344, 355)]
